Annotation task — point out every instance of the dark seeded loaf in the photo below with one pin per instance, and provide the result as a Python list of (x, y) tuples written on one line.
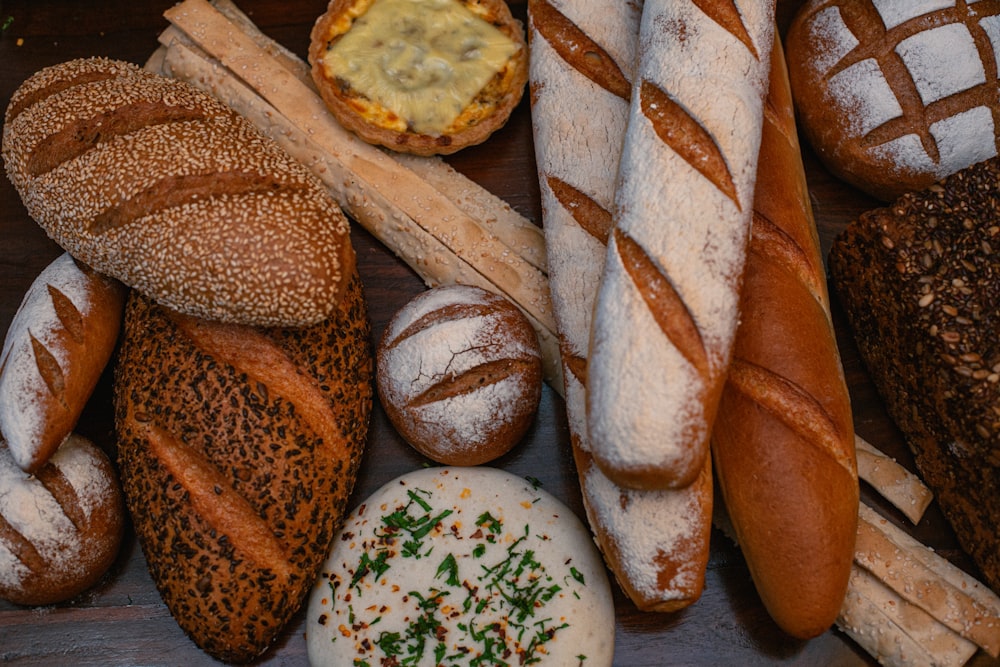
[(920, 282), (239, 447)]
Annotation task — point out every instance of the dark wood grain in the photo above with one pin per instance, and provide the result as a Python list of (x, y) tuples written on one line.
[(122, 621)]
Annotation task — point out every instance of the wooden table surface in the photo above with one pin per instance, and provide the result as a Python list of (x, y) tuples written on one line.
[(122, 621)]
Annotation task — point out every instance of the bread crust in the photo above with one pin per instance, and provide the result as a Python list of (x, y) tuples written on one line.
[(895, 96), (487, 113), (238, 449), (919, 286), (153, 182)]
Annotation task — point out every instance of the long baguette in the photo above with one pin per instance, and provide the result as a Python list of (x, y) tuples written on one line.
[(783, 439), (582, 60), (675, 258)]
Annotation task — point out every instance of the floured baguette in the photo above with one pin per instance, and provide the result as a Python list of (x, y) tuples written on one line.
[(582, 60), (667, 306)]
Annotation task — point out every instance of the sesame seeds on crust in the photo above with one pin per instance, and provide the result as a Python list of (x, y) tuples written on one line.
[(194, 207)]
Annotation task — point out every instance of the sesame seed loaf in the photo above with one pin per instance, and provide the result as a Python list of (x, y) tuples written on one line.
[(920, 283), (238, 448), (153, 182)]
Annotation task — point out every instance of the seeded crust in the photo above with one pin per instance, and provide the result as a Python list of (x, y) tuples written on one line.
[(153, 182), (238, 450), (487, 113), (920, 283)]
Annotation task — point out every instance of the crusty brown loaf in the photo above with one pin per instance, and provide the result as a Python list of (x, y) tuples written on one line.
[(894, 96), (667, 306), (488, 112), (460, 374), (920, 283), (783, 440), (61, 528), (582, 60), (155, 183), (57, 346), (238, 449)]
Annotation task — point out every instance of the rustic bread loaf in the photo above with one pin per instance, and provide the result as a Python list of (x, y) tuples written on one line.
[(420, 76), (58, 344), (159, 185), (460, 374), (667, 306), (238, 448), (783, 439), (475, 562), (919, 281), (895, 95), (582, 62), (60, 528)]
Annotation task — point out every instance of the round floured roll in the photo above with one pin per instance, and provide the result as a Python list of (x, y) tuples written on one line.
[(450, 565)]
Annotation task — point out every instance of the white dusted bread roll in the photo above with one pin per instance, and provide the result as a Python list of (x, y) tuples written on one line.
[(582, 63), (667, 306), (56, 349)]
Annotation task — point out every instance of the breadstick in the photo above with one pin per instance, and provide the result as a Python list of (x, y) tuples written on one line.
[(895, 632), (928, 581), (902, 488)]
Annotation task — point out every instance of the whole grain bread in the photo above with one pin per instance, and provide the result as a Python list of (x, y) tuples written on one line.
[(238, 448), (920, 283)]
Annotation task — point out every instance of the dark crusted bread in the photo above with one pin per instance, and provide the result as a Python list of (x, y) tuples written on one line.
[(920, 282), (238, 449)]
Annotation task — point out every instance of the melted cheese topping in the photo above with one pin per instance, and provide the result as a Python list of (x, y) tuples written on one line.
[(456, 566), (423, 60)]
